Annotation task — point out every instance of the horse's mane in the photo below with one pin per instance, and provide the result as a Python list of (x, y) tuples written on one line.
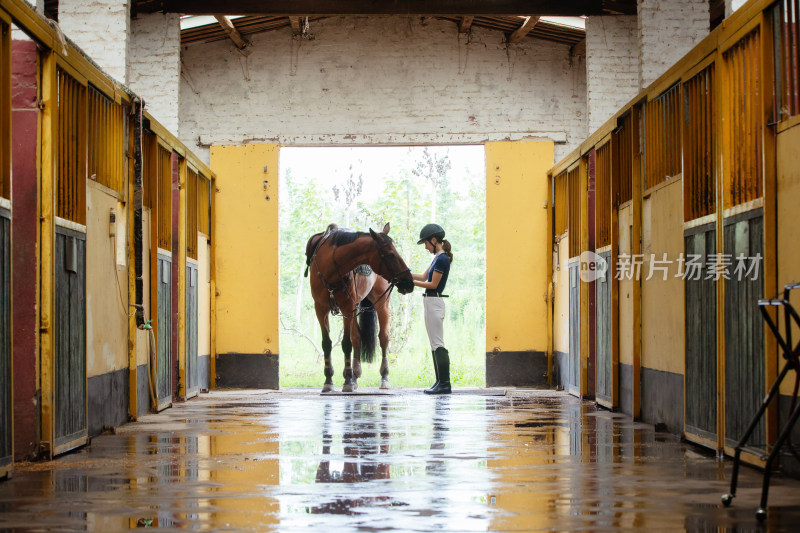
[(343, 237)]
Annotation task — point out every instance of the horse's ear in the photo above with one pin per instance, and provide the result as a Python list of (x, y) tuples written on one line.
[(374, 235), (386, 228)]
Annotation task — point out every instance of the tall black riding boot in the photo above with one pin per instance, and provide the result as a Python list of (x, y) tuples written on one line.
[(436, 370), (442, 359)]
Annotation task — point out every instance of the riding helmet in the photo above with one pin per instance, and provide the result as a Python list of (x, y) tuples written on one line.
[(431, 230)]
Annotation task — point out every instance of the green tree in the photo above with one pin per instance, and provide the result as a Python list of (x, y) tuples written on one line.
[(420, 191)]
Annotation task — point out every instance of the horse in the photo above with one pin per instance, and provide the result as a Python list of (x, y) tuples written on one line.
[(365, 439), (337, 287)]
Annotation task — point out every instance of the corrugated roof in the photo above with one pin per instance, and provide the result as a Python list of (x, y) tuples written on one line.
[(544, 29)]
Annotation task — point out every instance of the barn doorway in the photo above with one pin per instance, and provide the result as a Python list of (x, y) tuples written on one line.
[(365, 187)]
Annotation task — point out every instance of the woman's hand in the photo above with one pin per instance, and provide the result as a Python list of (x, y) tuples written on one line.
[(432, 284), (420, 277)]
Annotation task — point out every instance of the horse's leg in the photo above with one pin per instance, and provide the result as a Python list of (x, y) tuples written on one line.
[(383, 338), (350, 383), (322, 317)]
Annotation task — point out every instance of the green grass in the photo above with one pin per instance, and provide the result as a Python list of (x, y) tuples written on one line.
[(411, 367)]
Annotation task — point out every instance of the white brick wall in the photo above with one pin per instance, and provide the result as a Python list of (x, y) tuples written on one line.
[(382, 80), (733, 5), (612, 66), (667, 31), (100, 28), (154, 65)]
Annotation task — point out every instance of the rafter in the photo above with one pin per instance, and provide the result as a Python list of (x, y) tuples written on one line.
[(465, 24), (233, 33), (522, 31), (373, 7)]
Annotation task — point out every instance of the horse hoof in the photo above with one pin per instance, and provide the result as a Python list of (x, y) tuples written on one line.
[(328, 387), (347, 387), (384, 384)]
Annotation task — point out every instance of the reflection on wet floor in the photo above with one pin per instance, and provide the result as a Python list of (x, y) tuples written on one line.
[(294, 460)]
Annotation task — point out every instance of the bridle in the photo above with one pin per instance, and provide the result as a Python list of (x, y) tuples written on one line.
[(383, 254), (342, 282)]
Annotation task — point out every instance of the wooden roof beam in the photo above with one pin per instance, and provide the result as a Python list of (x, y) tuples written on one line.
[(233, 33), (465, 24), (523, 30), (373, 7)]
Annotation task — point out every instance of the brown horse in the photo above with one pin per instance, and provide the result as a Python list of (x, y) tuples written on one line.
[(332, 257), (365, 438)]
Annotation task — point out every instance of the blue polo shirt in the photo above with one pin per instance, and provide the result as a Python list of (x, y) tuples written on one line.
[(441, 263)]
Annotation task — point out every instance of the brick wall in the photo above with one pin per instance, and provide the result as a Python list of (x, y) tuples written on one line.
[(382, 80), (100, 28), (154, 65), (733, 5), (612, 66), (667, 31)]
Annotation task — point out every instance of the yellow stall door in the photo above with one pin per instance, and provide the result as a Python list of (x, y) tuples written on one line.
[(516, 262), (247, 268)]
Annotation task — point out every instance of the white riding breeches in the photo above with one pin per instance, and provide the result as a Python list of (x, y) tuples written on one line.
[(434, 320)]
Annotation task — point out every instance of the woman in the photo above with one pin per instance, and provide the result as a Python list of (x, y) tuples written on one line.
[(433, 281)]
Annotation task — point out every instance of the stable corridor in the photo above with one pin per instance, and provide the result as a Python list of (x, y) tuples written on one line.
[(480, 459)]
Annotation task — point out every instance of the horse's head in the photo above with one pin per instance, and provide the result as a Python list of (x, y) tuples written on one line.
[(393, 267)]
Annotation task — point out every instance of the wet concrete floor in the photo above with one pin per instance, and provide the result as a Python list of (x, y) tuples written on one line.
[(480, 459)]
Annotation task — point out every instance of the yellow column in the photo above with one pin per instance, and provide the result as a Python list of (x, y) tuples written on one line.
[(517, 261), (180, 257), (246, 264), (49, 133), (212, 364)]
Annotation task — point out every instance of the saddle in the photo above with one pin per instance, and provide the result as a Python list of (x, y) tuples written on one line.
[(363, 278), (362, 275)]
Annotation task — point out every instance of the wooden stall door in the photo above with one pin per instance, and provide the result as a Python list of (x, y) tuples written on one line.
[(192, 379), (164, 364), (701, 338), (70, 405), (744, 330), (604, 377), (575, 329), (6, 385)]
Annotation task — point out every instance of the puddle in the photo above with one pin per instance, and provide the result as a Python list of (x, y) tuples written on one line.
[(403, 461)]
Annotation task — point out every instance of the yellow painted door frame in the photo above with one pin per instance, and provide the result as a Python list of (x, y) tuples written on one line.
[(612, 272), (583, 173), (46, 309), (551, 296), (636, 250), (770, 213), (212, 235), (180, 257)]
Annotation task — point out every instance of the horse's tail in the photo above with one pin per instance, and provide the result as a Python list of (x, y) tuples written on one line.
[(367, 321)]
